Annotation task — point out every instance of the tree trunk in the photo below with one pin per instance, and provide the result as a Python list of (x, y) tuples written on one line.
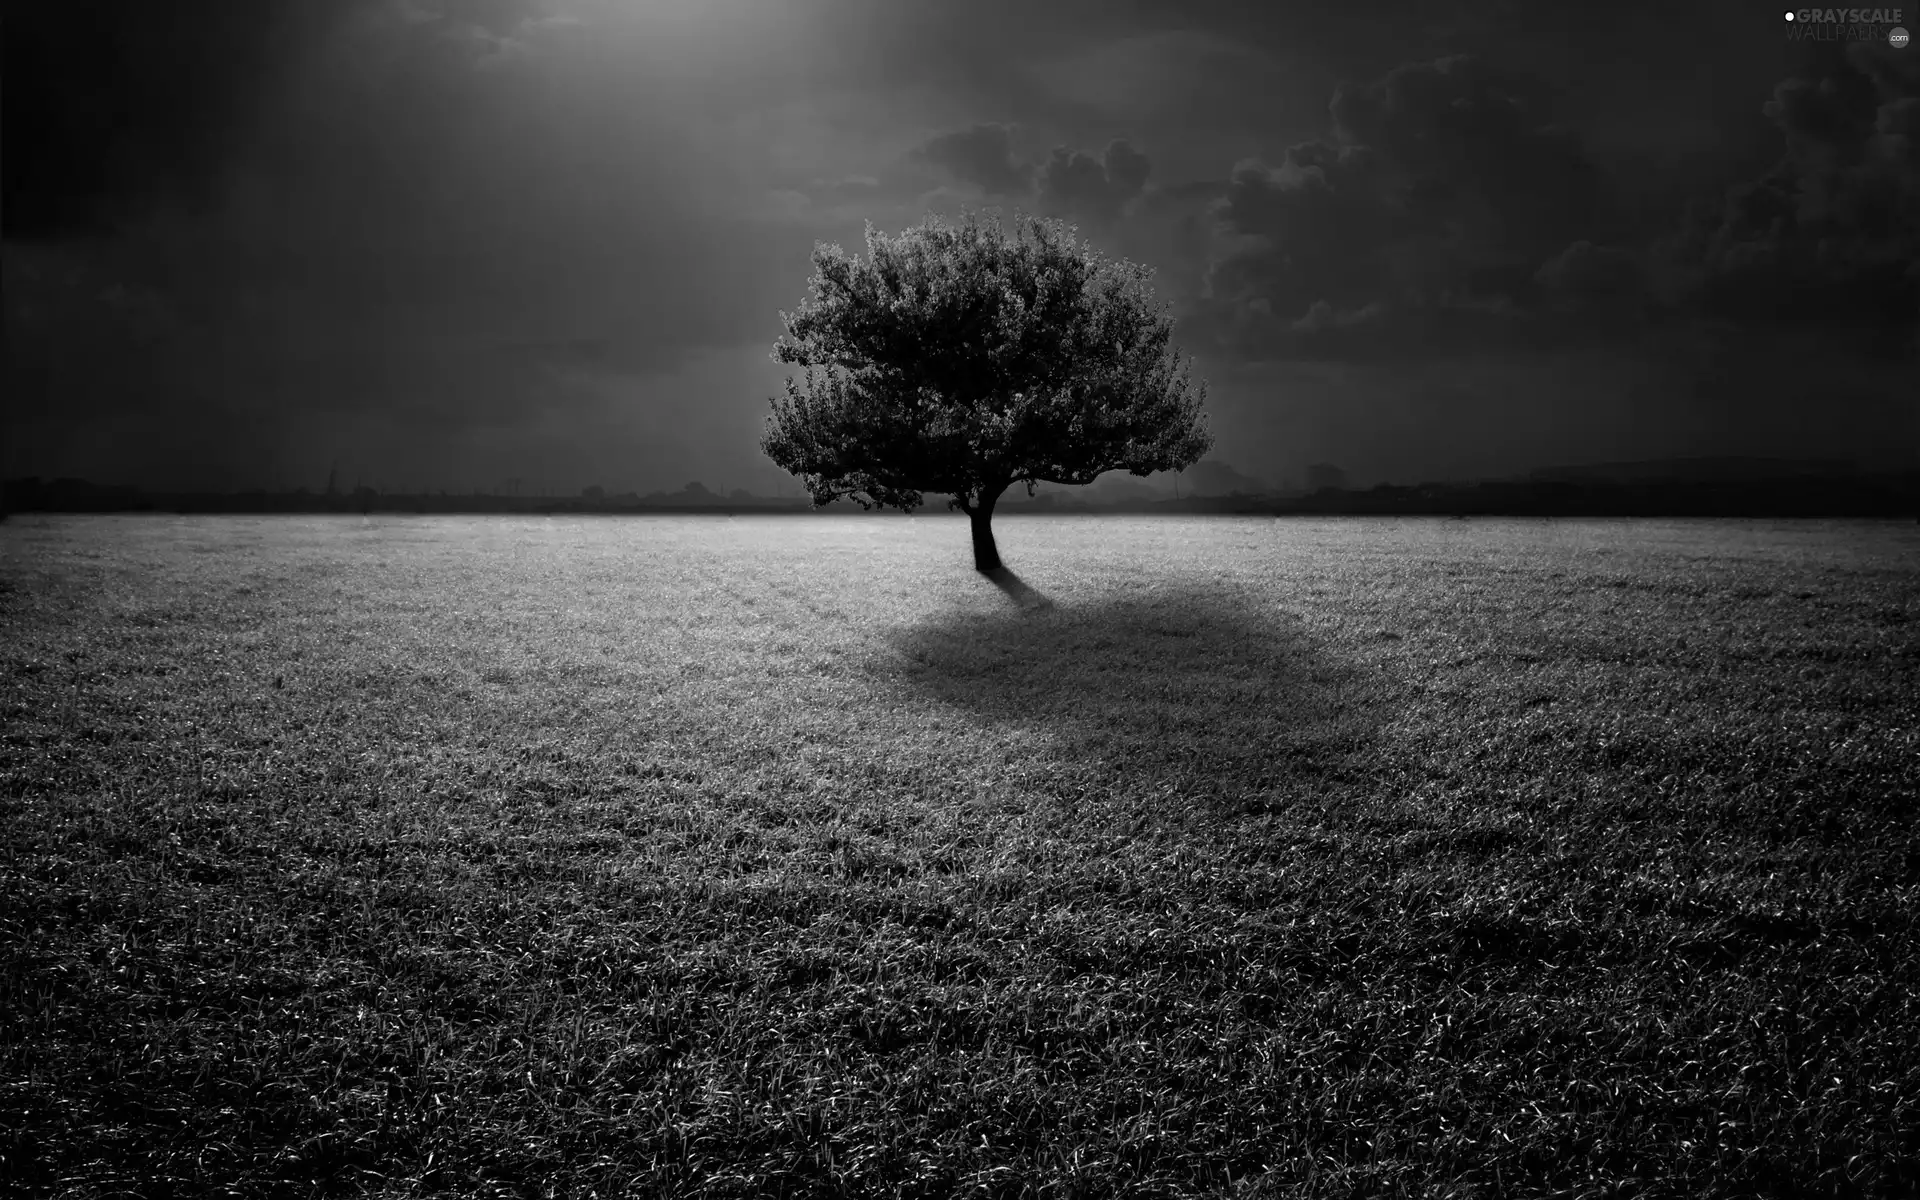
[(986, 556)]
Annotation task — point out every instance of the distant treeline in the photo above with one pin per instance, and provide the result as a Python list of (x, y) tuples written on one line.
[(78, 495), (1895, 494), (1891, 495)]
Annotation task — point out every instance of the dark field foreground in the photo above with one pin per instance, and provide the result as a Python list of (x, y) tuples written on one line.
[(688, 856)]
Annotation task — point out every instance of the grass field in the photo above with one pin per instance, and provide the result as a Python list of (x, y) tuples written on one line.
[(698, 856)]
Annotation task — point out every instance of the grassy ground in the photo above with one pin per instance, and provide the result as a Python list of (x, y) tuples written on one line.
[(697, 856)]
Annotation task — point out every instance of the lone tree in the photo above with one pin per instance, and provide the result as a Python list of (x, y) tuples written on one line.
[(958, 359)]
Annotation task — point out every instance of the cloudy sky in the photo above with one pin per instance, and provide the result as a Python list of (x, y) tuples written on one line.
[(447, 242)]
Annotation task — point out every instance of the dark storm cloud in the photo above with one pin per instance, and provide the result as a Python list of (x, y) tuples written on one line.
[(1075, 183), (1588, 275), (1831, 235), (1602, 290), (1069, 182), (1422, 227), (981, 157), (1315, 229), (1477, 156)]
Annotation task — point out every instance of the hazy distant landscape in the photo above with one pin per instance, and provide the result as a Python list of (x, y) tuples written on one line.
[(1715, 487), (688, 855)]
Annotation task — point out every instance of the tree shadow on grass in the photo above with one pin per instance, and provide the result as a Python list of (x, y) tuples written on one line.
[(1223, 700), (1017, 590)]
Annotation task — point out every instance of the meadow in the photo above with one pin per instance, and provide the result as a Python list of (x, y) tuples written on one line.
[(697, 856)]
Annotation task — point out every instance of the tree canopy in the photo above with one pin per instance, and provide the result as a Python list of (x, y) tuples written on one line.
[(958, 359)]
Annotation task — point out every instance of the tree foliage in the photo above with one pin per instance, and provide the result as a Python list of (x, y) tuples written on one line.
[(958, 359)]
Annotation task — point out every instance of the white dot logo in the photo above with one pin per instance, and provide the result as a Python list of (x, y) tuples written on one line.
[(1897, 39)]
